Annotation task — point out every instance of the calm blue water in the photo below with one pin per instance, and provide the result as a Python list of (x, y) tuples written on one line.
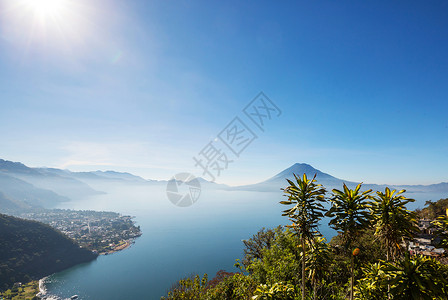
[(176, 242)]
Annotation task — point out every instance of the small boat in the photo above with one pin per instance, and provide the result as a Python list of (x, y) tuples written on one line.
[(74, 297)]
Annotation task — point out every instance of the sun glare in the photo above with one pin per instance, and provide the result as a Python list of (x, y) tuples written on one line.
[(41, 26), (47, 8), (46, 22)]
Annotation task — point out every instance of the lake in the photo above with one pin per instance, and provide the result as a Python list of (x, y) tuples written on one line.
[(176, 242)]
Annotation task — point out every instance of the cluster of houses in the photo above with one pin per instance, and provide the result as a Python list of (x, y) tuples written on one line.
[(98, 231), (423, 244)]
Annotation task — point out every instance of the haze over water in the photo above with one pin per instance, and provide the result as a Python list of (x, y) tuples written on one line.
[(176, 242)]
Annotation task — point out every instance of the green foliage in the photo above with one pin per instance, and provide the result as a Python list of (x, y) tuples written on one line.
[(31, 249), (278, 291), (253, 247), (373, 283), (26, 291), (280, 262), (392, 221), (441, 223), (224, 286), (416, 278), (371, 250), (318, 259), (188, 288), (317, 262), (307, 197), (326, 268), (370, 253), (410, 278), (236, 286), (350, 215), (433, 209), (349, 212)]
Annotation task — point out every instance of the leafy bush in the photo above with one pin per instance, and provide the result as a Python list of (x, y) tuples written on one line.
[(278, 291)]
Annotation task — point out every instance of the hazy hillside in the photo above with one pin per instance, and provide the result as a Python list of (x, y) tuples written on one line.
[(25, 188), (7, 166), (45, 187), (32, 250), (27, 194), (40, 178), (119, 176), (11, 206), (94, 175)]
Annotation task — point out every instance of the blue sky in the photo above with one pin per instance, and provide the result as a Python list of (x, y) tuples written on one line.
[(143, 86)]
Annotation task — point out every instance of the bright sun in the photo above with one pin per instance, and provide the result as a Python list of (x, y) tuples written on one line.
[(47, 8), (55, 24)]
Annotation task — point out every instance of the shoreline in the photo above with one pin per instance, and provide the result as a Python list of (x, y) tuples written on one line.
[(125, 244), (43, 290)]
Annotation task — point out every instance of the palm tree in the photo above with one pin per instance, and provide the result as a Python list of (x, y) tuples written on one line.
[(349, 213), (307, 197), (392, 221)]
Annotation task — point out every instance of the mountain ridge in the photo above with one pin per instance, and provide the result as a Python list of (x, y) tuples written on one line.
[(278, 181), (21, 172)]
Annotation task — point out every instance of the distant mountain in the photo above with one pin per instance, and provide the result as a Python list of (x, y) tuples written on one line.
[(300, 169), (25, 187), (31, 250), (439, 187), (278, 181), (330, 182), (7, 166), (26, 194), (48, 186), (94, 175), (82, 176), (119, 176), (45, 179)]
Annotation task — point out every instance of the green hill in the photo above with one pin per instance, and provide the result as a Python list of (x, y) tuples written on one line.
[(433, 210), (9, 205), (32, 250)]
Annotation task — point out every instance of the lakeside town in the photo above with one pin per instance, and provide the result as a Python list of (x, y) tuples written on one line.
[(424, 241), (99, 231)]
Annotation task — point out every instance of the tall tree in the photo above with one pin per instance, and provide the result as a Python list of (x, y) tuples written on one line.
[(307, 197), (350, 215), (392, 221)]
